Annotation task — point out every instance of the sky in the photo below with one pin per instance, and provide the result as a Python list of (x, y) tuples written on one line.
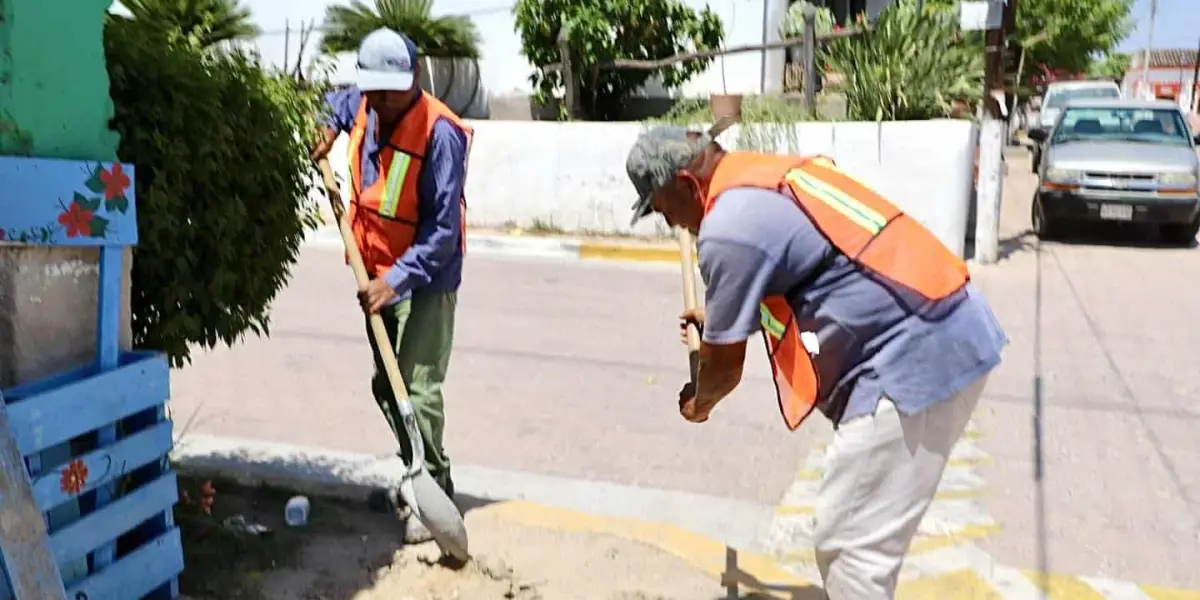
[(1177, 25)]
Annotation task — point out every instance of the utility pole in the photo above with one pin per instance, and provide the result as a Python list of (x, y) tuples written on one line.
[(762, 76), (1149, 45), (992, 134), (1193, 101)]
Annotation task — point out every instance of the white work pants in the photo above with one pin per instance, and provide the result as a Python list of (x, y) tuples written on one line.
[(881, 473)]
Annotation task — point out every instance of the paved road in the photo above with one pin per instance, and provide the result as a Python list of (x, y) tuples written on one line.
[(568, 372), (1120, 441), (562, 369)]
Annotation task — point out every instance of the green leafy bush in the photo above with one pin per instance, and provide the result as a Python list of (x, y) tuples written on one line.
[(446, 36), (607, 30), (911, 67), (222, 182)]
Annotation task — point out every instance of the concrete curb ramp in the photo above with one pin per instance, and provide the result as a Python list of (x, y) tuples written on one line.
[(944, 562)]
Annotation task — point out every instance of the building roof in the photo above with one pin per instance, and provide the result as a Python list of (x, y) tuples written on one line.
[(1169, 58)]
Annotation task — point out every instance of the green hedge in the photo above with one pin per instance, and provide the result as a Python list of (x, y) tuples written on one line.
[(223, 176)]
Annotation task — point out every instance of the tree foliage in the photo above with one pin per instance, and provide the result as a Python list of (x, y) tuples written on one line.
[(1072, 31), (1077, 30), (451, 36), (1112, 65), (912, 66), (223, 178), (606, 30), (207, 22)]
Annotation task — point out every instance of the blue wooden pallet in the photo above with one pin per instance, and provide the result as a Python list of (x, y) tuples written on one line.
[(84, 475)]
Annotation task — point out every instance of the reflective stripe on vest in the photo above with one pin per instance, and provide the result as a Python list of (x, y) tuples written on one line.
[(770, 324), (395, 183), (838, 200)]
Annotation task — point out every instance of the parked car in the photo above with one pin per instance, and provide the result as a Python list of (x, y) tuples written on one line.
[(1118, 160), (1056, 97)]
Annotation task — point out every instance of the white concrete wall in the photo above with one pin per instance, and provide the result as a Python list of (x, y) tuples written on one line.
[(572, 175)]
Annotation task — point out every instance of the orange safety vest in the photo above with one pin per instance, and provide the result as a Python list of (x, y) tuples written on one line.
[(384, 216), (860, 224)]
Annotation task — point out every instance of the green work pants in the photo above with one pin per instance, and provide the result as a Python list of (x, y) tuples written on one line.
[(421, 330)]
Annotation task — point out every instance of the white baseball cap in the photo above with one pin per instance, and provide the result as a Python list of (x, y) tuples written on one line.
[(386, 62)]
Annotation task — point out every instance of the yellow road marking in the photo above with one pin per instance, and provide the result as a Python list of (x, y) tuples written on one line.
[(1062, 587), (757, 572), (812, 474), (959, 585), (1160, 593), (629, 252), (802, 509), (920, 545)]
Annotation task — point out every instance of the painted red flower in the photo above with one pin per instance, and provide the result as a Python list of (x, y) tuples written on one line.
[(77, 220), (837, 27), (74, 477), (115, 181)]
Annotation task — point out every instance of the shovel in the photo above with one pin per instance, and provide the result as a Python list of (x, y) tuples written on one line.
[(687, 268), (420, 492)]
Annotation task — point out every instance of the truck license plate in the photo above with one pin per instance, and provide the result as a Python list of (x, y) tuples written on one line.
[(1116, 212)]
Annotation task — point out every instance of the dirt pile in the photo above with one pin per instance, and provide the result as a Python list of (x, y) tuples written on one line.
[(511, 562)]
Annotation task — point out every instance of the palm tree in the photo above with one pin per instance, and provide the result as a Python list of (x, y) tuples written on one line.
[(449, 37), (210, 22)]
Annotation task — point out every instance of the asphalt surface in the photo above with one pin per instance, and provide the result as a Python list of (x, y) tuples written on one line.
[(1120, 423), (568, 371), (563, 369)]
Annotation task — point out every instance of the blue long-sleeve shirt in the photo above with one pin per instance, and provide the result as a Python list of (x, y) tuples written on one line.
[(435, 259)]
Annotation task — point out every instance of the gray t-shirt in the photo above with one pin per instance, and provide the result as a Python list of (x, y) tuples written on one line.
[(875, 339)]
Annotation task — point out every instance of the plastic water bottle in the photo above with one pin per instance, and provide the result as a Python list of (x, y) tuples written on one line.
[(295, 514)]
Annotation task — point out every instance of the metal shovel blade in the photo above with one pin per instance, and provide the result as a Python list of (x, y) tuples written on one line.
[(437, 511)]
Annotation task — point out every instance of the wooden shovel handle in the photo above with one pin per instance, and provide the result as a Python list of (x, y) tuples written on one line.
[(687, 270), (382, 341)]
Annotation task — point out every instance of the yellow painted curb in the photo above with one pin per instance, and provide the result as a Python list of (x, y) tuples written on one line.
[(921, 545), (629, 252), (804, 509), (756, 572)]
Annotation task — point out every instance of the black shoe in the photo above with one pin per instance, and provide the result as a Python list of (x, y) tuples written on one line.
[(415, 532), (383, 500)]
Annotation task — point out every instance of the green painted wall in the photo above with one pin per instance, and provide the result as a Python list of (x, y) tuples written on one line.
[(53, 84), (54, 103)]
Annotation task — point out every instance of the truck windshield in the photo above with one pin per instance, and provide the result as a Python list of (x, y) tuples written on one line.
[(1153, 126)]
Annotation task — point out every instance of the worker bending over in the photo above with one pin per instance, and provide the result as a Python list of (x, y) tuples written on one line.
[(866, 316)]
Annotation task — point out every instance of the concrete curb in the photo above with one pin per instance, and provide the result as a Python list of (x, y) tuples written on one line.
[(562, 248), (638, 514)]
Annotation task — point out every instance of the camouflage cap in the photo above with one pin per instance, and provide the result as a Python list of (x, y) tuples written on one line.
[(656, 158)]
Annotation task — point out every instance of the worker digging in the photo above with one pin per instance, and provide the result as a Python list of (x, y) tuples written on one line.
[(866, 315), (405, 238)]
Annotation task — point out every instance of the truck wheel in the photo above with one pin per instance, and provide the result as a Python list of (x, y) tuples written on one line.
[(1181, 234)]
